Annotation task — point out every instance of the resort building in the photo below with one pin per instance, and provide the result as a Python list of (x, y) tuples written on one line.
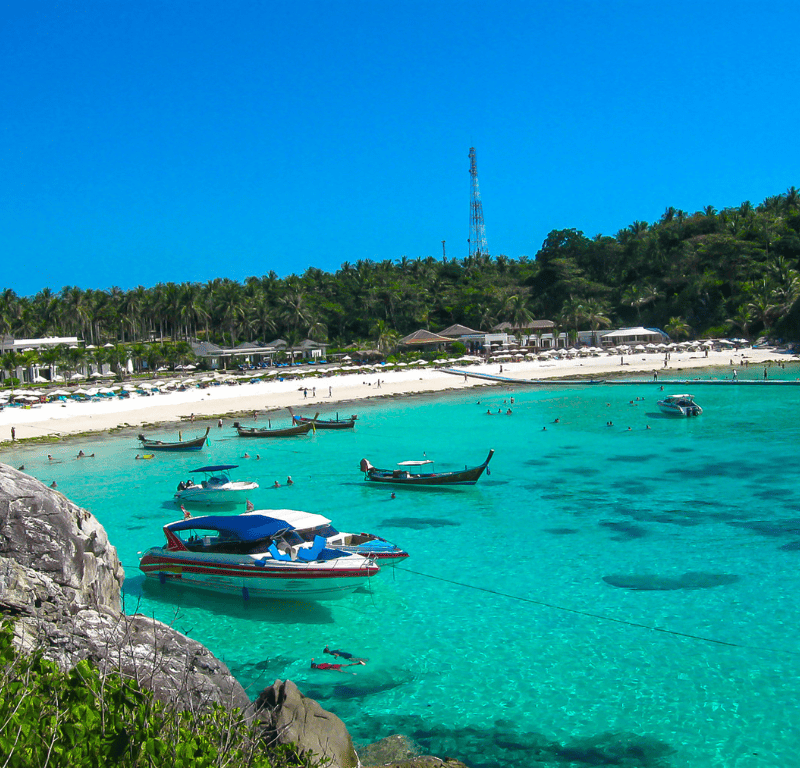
[(629, 336), (256, 353), (10, 344)]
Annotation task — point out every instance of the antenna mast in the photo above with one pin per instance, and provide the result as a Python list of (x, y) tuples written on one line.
[(477, 232)]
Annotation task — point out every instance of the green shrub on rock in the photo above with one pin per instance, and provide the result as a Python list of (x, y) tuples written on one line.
[(83, 718)]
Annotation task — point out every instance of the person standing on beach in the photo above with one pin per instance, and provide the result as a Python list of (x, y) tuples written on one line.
[(765, 373), (13, 433), (330, 391)]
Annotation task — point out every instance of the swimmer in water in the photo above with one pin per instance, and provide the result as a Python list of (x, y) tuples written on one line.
[(345, 655), (335, 667)]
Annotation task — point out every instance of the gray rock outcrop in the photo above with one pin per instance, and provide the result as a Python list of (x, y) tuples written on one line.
[(61, 579), (286, 716)]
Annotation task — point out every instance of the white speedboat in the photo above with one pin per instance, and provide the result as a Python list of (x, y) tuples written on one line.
[(680, 405), (246, 555), (303, 527), (217, 488)]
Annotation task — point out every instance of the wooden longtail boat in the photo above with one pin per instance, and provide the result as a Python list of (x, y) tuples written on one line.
[(297, 429), (336, 423), (404, 476), (182, 445)]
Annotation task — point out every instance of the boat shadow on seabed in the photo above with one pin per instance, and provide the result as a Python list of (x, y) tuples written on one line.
[(194, 605)]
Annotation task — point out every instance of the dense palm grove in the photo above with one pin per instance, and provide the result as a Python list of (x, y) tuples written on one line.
[(708, 273)]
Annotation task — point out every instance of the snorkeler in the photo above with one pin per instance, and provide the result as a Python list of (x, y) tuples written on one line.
[(345, 655)]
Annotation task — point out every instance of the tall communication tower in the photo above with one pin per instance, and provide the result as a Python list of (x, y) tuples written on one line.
[(477, 232)]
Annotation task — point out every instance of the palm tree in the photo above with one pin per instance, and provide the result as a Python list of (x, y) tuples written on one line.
[(678, 328), (10, 361), (573, 312), (742, 319), (51, 357), (763, 306), (387, 337), (595, 313), (638, 296), (516, 311)]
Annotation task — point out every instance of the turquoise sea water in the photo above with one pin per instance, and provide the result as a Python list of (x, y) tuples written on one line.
[(604, 592)]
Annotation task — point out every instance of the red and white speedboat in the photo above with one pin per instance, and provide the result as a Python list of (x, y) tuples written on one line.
[(248, 555)]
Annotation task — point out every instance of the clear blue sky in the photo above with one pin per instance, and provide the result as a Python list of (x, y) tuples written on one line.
[(145, 142)]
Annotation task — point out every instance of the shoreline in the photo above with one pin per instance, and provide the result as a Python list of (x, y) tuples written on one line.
[(56, 421)]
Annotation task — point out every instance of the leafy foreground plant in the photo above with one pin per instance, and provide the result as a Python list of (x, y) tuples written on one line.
[(85, 718)]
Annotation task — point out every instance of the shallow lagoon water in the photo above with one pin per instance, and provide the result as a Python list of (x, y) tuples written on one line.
[(604, 596)]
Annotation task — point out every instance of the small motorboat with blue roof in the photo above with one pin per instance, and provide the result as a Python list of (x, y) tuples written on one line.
[(249, 555), (216, 488), (304, 527)]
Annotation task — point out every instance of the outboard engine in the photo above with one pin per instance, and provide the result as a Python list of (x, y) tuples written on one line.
[(365, 465), (236, 424)]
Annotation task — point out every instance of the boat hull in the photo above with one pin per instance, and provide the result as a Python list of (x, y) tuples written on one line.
[(299, 429), (671, 409), (232, 493), (438, 479), (468, 476), (195, 445), (349, 424), (242, 575), (181, 446)]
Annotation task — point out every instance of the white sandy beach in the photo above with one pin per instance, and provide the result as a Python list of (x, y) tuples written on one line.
[(63, 419)]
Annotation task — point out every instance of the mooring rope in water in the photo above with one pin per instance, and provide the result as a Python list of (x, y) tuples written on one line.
[(598, 616)]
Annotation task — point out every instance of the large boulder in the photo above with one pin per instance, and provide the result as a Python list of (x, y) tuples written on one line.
[(286, 716), (45, 532), (61, 580)]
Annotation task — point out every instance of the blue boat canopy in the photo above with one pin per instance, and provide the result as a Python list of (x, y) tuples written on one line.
[(216, 468), (244, 527)]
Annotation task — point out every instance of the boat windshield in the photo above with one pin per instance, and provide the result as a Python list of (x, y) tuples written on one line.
[(222, 542), (307, 534)]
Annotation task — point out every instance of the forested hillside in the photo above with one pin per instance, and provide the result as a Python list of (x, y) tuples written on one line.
[(733, 271)]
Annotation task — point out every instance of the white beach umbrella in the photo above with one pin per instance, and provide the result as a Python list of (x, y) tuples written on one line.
[(76, 376), (60, 393), (639, 348), (18, 392), (108, 346), (80, 391)]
